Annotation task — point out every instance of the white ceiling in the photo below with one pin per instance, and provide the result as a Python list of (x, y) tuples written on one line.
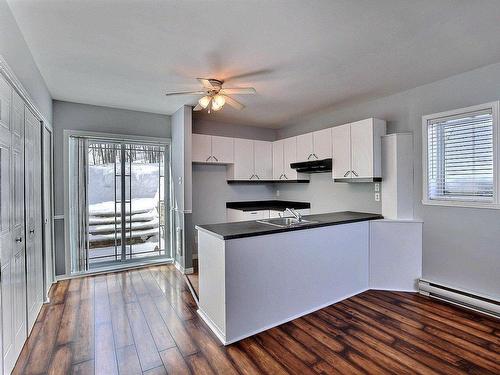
[(305, 55)]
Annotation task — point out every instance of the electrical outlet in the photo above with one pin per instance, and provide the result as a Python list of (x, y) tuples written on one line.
[(377, 186), (377, 197)]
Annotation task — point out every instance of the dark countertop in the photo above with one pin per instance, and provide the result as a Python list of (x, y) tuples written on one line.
[(274, 205), (241, 229)]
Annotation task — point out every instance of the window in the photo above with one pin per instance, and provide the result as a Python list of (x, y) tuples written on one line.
[(460, 157)]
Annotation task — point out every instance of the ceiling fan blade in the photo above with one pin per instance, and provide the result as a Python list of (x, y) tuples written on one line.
[(206, 83), (238, 91), (185, 93), (233, 103), (197, 108)]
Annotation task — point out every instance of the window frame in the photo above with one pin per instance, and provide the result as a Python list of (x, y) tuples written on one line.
[(495, 204)]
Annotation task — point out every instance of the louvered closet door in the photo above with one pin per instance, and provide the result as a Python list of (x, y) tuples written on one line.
[(34, 263)]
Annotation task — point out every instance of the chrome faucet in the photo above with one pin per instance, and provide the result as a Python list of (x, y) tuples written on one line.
[(294, 213)]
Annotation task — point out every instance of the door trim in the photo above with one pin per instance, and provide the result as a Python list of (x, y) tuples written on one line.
[(67, 133)]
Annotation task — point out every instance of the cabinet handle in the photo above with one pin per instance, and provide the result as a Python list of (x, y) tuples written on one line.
[(208, 158), (258, 178), (281, 175), (355, 173), (309, 157), (252, 176), (19, 239), (32, 231), (215, 158), (284, 175), (345, 174), (316, 156)]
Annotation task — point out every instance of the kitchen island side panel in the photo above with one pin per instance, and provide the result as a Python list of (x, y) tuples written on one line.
[(275, 278)]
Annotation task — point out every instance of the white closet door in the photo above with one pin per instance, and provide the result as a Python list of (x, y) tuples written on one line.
[(341, 138), (48, 214), (263, 154), (278, 166), (19, 254), (34, 263), (290, 156), (6, 228)]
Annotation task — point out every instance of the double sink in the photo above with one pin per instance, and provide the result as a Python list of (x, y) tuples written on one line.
[(286, 222)]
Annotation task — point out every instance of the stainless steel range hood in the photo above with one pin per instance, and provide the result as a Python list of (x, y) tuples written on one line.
[(313, 166)]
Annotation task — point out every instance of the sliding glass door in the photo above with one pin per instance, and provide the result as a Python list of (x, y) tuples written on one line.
[(120, 197)]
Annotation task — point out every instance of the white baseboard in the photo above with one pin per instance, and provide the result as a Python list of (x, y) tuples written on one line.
[(220, 335), (185, 271)]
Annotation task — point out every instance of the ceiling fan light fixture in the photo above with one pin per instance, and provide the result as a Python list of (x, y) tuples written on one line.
[(218, 102), (205, 101)]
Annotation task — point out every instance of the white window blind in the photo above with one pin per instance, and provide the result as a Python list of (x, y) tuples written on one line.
[(460, 157)]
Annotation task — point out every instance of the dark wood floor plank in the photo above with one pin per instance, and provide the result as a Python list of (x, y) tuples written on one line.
[(144, 322), (128, 361), (83, 368), (61, 362), (176, 327), (199, 364), (211, 349), (41, 354), (157, 326), (105, 355), (144, 342), (174, 362)]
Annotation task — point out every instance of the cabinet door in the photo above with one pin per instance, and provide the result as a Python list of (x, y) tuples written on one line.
[(362, 148), (323, 144), (305, 147), (243, 168), (278, 166), (341, 139), (222, 150), (34, 263), (263, 154), (289, 156), (201, 148)]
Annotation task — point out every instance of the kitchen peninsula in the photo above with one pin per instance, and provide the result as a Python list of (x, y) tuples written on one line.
[(255, 275)]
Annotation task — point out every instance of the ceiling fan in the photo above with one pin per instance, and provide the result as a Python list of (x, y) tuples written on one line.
[(215, 96)]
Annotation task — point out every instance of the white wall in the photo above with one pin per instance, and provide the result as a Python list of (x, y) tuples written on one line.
[(85, 117), (15, 52), (461, 245)]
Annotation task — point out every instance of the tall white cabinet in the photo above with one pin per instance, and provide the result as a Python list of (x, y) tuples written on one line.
[(21, 249)]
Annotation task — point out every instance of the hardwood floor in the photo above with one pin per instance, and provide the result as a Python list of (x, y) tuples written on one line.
[(145, 322)]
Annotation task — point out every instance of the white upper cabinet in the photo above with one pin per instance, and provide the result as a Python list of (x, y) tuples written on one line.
[(223, 150), (322, 144), (201, 148), (341, 136), (263, 160), (212, 149), (284, 153), (357, 149), (278, 159), (305, 147), (252, 160), (314, 146), (243, 167), (289, 156)]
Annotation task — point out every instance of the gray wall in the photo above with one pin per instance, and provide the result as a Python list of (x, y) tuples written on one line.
[(97, 119), (14, 50), (461, 245), (210, 189)]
